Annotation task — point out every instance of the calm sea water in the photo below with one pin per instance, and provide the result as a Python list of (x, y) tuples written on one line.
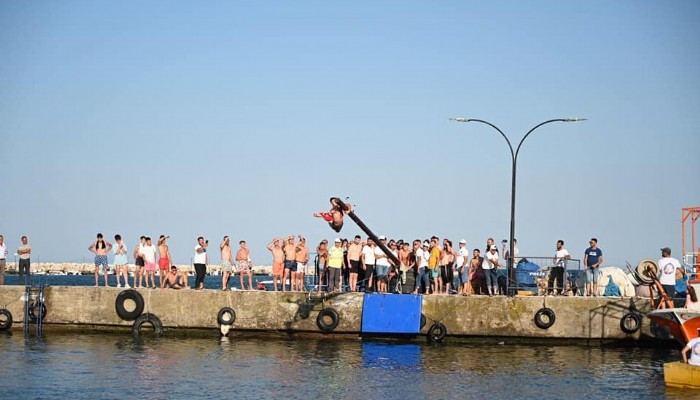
[(118, 366)]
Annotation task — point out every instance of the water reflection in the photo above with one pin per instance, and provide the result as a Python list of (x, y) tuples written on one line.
[(86, 366)]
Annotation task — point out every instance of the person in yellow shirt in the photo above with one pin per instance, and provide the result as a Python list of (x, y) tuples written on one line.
[(336, 262), (433, 261)]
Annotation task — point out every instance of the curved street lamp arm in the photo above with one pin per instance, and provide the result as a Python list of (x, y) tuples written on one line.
[(515, 157), (510, 146)]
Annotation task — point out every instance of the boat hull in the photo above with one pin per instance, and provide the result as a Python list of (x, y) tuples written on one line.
[(681, 375)]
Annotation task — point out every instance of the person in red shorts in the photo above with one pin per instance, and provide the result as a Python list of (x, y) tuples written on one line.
[(334, 216), (165, 259)]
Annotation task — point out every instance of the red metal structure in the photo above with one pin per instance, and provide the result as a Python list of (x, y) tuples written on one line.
[(691, 255)]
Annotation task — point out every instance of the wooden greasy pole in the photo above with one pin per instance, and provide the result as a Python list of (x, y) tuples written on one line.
[(369, 233)]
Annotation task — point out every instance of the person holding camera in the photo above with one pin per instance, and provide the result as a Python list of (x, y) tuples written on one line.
[(200, 262)]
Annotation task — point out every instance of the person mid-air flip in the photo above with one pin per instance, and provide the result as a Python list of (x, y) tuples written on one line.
[(334, 216)]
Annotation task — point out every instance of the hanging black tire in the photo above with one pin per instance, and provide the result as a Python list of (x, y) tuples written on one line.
[(134, 296), (422, 321), (544, 318), (631, 322), (37, 312), (6, 322), (226, 316), (322, 322), (150, 319), (437, 332)]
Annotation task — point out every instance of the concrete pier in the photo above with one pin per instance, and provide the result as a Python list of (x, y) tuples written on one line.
[(295, 313)]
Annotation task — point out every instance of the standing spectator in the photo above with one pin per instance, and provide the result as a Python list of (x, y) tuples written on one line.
[(24, 251), (335, 265), (506, 252), (277, 261), (121, 263), (245, 265), (463, 267), (200, 262), (667, 273), (448, 261), (557, 271), (322, 252), (368, 261), (346, 265), (164, 259), (490, 265), (434, 264), (423, 277), (592, 259), (477, 274), (302, 259), (290, 263), (3, 258), (408, 260), (101, 247), (381, 267), (226, 263), (354, 255), (139, 262), (149, 256)]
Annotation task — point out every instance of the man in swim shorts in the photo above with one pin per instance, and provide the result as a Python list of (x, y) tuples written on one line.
[(139, 262), (175, 280), (334, 216), (302, 259), (354, 255), (101, 247), (277, 261), (226, 266), (165, 259), (245, 266), (290, 263)]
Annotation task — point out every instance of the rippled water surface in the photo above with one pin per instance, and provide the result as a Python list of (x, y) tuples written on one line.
[(91, 366)]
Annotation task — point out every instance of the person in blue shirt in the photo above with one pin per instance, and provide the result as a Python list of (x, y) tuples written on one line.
[(592, 259)]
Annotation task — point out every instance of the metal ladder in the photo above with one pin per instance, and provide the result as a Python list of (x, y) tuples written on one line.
[(34, 308)]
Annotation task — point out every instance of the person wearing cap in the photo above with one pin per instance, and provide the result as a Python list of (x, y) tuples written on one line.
[(422, 252), (592, 258), (490, 264), (165, 260), (336, 261), (667, 272), (462, 268), (368, 261)]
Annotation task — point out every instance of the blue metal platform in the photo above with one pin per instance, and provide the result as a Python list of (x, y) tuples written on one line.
[(391, 313)]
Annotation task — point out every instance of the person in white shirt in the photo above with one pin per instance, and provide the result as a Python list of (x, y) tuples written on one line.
[(381, 266), (693, 347), (149, 257), (200, 262), (462, 265), (491, 263), (368, 261), (667, 272), (556, 273)]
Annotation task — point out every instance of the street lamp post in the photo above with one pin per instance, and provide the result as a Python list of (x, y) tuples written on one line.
[(514, 159)]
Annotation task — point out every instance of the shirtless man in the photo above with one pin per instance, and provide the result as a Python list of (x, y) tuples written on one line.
[(277, 261), (139, 262), (334, 216), (175, 279), (226, 265), (165, 259), (290, 263), (407, 261), (322, 251), (101, 247), (245, 265), (302, 259), (354, 256)]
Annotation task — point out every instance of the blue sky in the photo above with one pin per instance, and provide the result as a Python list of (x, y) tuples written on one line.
[(242, 118)]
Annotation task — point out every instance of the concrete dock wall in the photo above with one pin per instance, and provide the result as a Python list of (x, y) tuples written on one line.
[(500, 316)]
